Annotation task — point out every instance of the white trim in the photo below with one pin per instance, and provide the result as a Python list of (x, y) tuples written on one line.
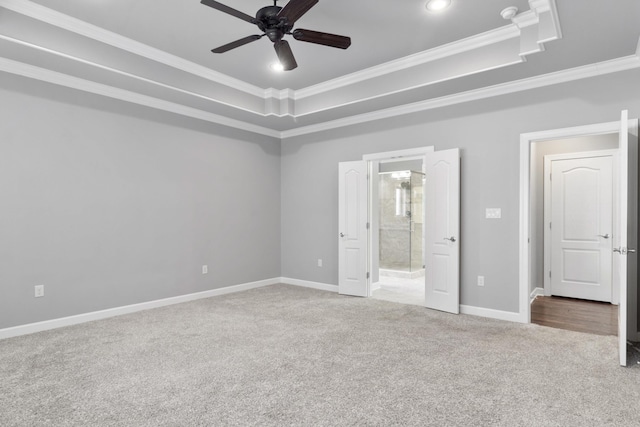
[(309, 284), (440, 52), (77, 26), (578, 73), (526, 139), (50, 16), (127, 309), (130, 75), (537, 292), (478, 41), (49, 76), (490, 313), (399, 154)]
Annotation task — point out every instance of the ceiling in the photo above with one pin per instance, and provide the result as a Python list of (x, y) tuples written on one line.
[(402, 58)]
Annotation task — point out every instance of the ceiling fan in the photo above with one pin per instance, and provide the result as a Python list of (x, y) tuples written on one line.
[(275, 22)]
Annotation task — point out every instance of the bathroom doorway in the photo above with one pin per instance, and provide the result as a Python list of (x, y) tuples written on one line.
[(400, 237)]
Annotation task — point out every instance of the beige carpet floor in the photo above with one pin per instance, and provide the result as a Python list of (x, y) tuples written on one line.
[(283, 355)]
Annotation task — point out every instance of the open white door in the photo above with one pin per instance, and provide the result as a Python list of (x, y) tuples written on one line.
[(442, 230), (352, 228), (625, 250)]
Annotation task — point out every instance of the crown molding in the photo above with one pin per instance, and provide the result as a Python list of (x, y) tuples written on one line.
[(61, 79), (68, 23), (490, 37), (578, 73), (128, 75), (533, 27), (77, 26)]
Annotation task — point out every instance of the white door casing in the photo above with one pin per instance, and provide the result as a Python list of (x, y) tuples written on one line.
[(626, 234), (442, 230), (352, 228), (581, 228)]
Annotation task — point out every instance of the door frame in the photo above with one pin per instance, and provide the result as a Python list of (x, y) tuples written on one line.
[(526, 142), (615, 294)]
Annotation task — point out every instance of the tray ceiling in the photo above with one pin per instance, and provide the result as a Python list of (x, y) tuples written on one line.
[(402, 58)]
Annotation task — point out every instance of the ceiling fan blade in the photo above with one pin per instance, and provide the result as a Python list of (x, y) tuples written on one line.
[(241, 42), (226, 9), (295, 9), (332, 40), (285, 55)]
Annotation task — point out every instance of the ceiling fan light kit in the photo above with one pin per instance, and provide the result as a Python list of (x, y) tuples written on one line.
[(275, 22)]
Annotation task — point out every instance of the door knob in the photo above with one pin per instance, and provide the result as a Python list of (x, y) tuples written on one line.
[(451, 239), (625, 251), (604, 236), (341, 234)]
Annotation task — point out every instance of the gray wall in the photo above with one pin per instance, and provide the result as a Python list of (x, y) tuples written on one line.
[(538, 151), (488, 133), (108, 204)]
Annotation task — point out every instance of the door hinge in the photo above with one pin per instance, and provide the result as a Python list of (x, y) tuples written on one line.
[(368, 226), (368, 275), (549, 226), (549, 274)]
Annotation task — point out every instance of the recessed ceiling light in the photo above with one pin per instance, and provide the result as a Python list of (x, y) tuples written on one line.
[(277, 67), (437, 5)]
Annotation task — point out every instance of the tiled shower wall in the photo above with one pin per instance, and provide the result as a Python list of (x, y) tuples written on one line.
[(401, 229)]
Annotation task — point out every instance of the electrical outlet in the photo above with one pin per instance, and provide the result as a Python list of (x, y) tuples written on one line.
[(39, 291), (205, 269), (319, 262), (480, 280)]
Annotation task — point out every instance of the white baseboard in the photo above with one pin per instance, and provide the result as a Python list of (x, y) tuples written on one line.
[(308, 284), (375, 286), (537, 292), (118, 311), (491, 313)]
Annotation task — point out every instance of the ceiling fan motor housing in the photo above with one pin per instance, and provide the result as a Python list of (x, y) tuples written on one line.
[(273, 26)]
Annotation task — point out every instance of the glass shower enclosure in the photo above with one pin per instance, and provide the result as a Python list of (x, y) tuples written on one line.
[(401, 220)]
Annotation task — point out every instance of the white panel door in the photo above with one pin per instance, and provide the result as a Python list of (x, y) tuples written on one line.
[(352, 228), (626, 239), (442, 230), (582, 228)]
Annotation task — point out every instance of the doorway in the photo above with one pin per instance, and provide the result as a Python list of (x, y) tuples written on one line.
[(400, 248), (625, 233), (571, 240), (359, 224)]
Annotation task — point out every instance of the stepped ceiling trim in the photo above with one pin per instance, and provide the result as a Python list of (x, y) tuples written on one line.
[(237, 101)]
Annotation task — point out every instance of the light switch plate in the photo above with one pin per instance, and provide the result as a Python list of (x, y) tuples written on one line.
[(493, 213)]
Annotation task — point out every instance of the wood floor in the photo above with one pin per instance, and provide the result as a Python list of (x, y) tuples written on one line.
[(575, 315)]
